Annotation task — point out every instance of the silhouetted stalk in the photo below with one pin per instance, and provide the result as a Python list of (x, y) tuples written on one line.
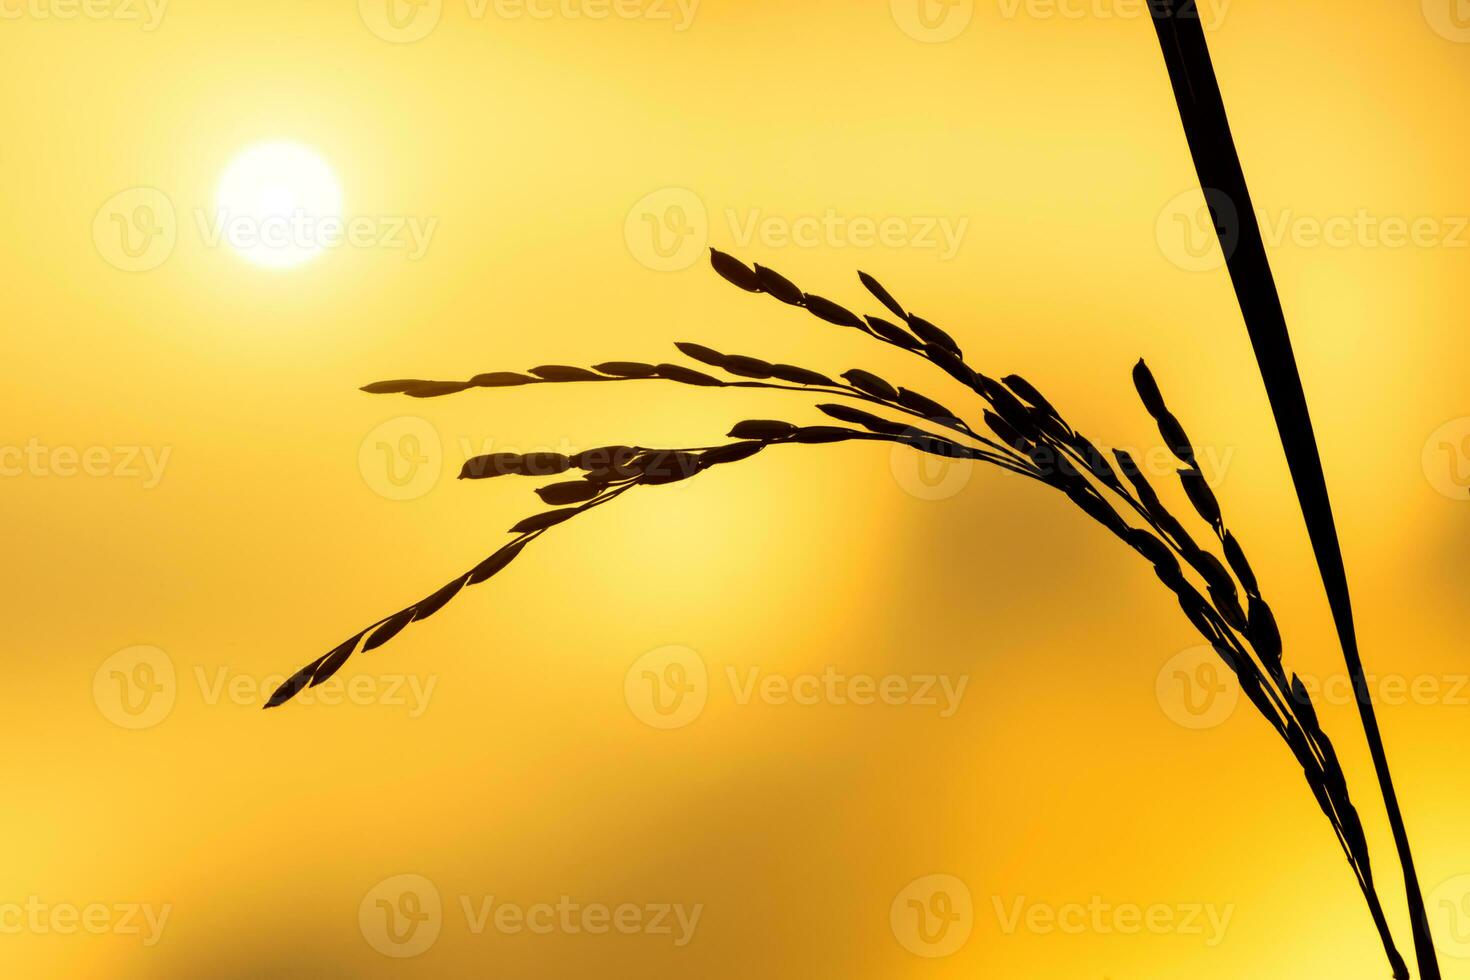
[(438, 389), (1027, 437), (1217, 162)]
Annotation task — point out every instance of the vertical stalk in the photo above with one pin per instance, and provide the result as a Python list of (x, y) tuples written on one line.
[(1207, 128)]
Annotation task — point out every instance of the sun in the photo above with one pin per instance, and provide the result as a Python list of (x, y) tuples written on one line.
[(279, 204)]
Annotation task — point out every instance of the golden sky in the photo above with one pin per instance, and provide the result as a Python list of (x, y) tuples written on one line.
[(199, 500)]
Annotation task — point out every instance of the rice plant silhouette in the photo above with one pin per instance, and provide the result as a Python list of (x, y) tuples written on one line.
[(1206, 125), (1020, 432)]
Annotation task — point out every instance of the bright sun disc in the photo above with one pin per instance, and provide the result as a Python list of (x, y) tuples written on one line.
[(279, 204)]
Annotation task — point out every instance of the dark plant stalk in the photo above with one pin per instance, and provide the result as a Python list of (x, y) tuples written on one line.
[(1207, 128), (1030, 439)]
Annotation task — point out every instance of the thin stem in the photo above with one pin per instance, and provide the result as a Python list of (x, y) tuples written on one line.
[(841, 391), (1217, 162)]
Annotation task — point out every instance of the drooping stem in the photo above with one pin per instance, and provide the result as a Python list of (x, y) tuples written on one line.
[(1207, 128), (1034, 440)]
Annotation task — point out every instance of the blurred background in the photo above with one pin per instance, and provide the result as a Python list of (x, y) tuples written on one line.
[(1052, 782)]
